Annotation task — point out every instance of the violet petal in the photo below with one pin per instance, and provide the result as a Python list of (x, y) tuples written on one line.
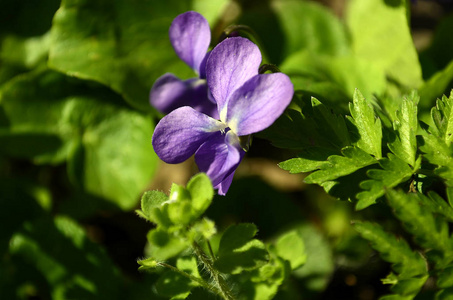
[(190, 36), (259, 102), (180, 133), (222, 188), (169, 92), (219, 157), (230, 64)]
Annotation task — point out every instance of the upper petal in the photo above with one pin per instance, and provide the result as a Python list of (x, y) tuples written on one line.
[(180, 133), (230, 64), (259, 102), (190, 36), (169, 92), (219, 157)]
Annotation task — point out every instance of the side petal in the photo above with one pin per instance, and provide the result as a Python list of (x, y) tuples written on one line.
[(230, 64), (218, 158), (190, 36), (169, 92), (259, 102), (180, 133)]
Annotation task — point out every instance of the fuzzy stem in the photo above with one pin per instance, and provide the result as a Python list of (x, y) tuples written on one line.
[(223, 289)]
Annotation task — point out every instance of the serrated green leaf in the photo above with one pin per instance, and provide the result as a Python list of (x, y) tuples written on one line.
[(438, 153), (201, 193), (394, 171), (369, 128), (290, 246), (309, 159), (442, 116), (405, 126), (333, 126), (238, 251), (123, 46), (406, 262), (428, 231), (409, 287), (386, 22), (437, 205), (338, 166)]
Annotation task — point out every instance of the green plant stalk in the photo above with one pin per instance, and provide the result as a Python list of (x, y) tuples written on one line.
[(223, 289)]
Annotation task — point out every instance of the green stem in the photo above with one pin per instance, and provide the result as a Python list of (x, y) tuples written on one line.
[(191, 277), (223, 289), (210, 250)]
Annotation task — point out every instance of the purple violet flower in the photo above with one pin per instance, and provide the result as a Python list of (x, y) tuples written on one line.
[(247, 103), (190, 36)]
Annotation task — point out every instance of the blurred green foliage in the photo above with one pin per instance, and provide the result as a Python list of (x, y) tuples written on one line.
[(76, 155)]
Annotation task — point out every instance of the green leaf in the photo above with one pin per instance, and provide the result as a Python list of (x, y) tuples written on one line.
[(164, 245), (369, 129), (201, 192), (445, 278), (310, 26), (123, 46), (429, 232), (174, 284), (410, 286), (438, 153), (333, 78), (150, 201), (442, 116), (437, 205), (445, 294), (394, 171), (436, 86), (317, 271), (386, 22), (338, 166), (70, 264), (334, 127), (263, 283), (406, 262), (238, 251), (405, 126), (308, 160), (290, 246), (25, 52), (107, 145)]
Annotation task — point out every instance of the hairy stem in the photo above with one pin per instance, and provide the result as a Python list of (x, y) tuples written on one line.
[(223, 289)]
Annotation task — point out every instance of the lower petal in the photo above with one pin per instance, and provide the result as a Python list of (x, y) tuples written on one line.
[(180, 133), (219, 157), (169, 92)]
